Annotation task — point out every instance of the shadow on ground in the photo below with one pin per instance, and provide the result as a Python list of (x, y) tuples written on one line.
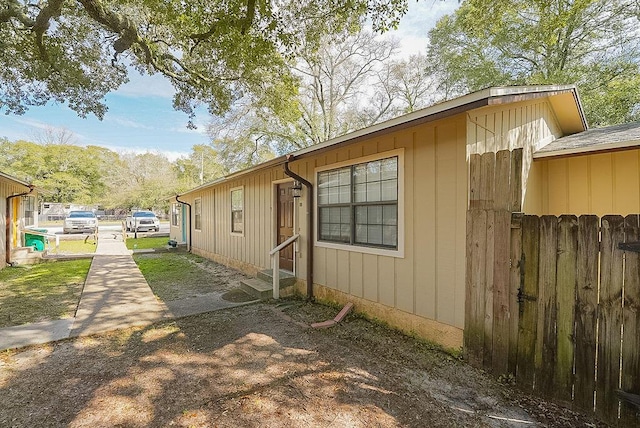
[(252, 366)]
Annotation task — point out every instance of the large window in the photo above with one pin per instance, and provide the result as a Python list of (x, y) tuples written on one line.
[(237, 210), (175, 214), (197, 208), (358, 204)]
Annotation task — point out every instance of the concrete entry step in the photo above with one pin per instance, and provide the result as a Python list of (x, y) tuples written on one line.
[(257, 288), (262, 286), (286, 278), (25, 256)]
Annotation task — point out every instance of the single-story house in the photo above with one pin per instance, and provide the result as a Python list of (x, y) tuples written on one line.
[(18, 210), (380, 214)]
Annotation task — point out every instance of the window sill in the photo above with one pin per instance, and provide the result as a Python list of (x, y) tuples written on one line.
[(399, 253)]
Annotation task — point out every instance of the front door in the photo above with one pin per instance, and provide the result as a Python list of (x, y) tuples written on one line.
[(285, 223)]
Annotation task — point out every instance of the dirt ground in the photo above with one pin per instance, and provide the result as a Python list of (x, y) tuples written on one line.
[(259, 365)]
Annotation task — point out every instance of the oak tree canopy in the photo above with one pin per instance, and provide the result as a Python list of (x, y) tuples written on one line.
[(212, 51)]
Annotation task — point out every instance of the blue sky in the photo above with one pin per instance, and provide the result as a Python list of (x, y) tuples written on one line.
[(141, 118)]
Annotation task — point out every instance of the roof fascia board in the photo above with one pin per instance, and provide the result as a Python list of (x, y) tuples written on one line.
[(600, 148), (15, 180)]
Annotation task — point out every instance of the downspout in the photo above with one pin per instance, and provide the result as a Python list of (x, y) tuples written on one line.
[(189, 205), (7, 221), (310, 238)]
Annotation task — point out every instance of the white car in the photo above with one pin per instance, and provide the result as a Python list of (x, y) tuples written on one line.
[(142, 221), (80, 221)]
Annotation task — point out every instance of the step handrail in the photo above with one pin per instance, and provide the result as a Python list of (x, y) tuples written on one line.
[(275, 263), (284, 244)]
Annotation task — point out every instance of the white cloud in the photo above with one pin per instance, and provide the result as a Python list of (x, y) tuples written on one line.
[(121, 121), (170, 154), (146, 86), (34, 128), (415, 25), (201, 129), (33, 123)]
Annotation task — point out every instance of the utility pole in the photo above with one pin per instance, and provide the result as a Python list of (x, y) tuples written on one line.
[(201, 168)]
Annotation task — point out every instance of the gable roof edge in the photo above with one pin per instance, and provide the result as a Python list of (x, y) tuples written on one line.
[(489, 96), (14, 179)]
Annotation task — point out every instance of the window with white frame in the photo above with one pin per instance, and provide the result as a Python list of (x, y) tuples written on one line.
[(237, 210), (175, 214), (29, 209), (358, 204), (197, 214)]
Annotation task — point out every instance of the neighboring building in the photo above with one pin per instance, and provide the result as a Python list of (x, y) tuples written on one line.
[(18, 210), (56, 211), (593, 172), (388, 207)]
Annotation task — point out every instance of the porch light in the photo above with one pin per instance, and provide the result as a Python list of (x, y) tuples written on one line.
[(296, 190)]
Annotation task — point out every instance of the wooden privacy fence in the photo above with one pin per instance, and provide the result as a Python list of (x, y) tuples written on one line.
[(554, 301)]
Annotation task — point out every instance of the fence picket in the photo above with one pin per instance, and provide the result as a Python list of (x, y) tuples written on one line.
[(501, 306), (566, 298), (516, 283), (609, 317), (516, 180), (474, 182), (586, 311), (489, 258), (631, 321), (502, 197), (546, 344), (475, 286), (527, 297), (487, 181)]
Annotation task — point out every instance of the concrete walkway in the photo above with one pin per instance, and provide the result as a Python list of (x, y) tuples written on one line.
[(115, 296)]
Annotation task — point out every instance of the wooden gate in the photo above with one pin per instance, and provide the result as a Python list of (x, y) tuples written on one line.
[(555, 302)]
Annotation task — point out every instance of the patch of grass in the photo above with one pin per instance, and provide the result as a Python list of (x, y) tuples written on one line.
[(177, 275), (77, 246), (147, 242), (42, 292)]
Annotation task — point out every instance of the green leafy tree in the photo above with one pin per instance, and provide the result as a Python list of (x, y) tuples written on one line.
[(213, 52), (201, 166), (65, 172), (592, 43), (144, 181), (348, 81)]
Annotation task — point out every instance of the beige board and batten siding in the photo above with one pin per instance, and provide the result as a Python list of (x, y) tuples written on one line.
[(600, 184), (423, 289), (528, 125), (249, 250)]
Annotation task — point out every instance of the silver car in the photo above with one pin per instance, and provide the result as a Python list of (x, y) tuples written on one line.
[(80, 221)]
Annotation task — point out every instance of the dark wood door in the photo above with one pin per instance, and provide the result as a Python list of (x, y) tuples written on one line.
[(285, 224)]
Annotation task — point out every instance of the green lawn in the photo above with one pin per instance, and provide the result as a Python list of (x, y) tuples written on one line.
[(41, 292), (77, 246), (147, 242)]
